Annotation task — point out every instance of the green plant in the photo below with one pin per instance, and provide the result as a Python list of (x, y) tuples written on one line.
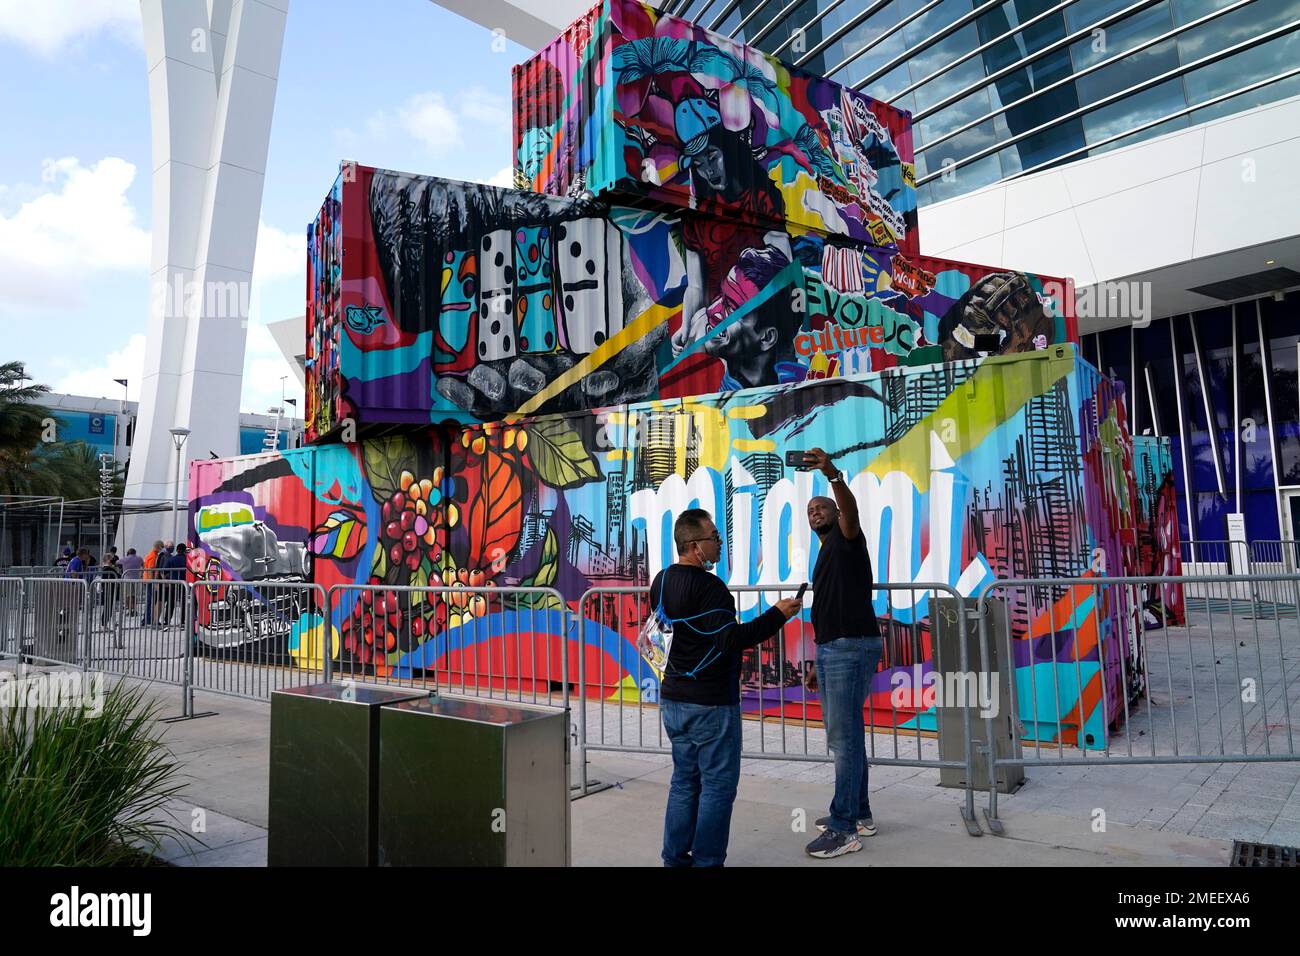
[(80, 788)]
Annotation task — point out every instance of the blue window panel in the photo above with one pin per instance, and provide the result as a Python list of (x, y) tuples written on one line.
[(1265, 94), (1088, 12), (1123, 115), (1260, 509), (1242, 69), (1123, 36), (958, 114), (1281, 334), (965, 178), (1153, 351), (887, 88), (1229, 30), (951, 81), (934, 20), (1211, 517)]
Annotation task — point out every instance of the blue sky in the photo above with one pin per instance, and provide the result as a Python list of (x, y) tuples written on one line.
[(402, 84)]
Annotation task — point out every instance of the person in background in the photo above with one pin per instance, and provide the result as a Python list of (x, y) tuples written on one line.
[(700, 696), (150, 569), (111, 589), (175, 577), (78, 564), (132, 567), (62, 561)]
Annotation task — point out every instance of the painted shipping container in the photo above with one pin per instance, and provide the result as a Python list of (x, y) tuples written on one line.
[(966, 472), (432, 300), (631, 105)]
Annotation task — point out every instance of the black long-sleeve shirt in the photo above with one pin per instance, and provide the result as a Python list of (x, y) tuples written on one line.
[(704, 659)]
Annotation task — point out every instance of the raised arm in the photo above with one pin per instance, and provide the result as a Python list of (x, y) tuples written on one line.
[(850, 524)]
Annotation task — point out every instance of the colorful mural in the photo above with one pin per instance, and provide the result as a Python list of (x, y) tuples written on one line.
[(966, 471), (1159, 550), (431, 300), (631, 105)]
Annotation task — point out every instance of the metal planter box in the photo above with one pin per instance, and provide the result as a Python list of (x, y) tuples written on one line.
[(325, 773), (467, 782)]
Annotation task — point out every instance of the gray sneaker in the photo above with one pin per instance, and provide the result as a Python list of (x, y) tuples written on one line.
[(866, 827), (832, 843)]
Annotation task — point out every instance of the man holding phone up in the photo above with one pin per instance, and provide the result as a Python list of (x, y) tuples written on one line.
[(849, 646)]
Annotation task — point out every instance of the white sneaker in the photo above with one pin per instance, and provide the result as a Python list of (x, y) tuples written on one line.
[(866, 826)]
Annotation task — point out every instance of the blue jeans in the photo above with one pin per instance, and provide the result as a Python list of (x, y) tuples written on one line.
[(844, 670), (706, 770)]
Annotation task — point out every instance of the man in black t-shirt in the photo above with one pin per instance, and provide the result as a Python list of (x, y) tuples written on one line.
[(700, 694), (848, 649)]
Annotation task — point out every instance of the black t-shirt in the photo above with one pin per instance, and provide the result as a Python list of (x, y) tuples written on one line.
[(842, 589), (704, 659)]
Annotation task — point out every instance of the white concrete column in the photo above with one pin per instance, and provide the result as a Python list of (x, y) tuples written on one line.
[(213, 66)]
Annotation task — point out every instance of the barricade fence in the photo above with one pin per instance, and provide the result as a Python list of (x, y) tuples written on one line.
[(1245, 563), (1024, 673), (499, 643), (618, 691), (252, 638), (1129, 670), (12, 620)]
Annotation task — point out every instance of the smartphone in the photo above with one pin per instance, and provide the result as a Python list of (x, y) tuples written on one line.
[(794, 459), (803, 587)]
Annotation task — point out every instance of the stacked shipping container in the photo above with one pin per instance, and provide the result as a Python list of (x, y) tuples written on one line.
[(433, 300), (726, 268)]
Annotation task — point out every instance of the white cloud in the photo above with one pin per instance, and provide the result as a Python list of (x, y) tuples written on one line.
[(505, 178), (46, 26), (442, 123), (428, 118), (97, 381), (279, 254), (264, 364), (81, 222)]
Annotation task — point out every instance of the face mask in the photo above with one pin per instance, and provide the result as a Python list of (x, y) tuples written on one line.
[(708, 565)]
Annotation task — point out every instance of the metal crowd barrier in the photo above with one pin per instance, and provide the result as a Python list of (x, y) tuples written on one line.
[(54, 615), (251, 638), (137, 628), (1277, 558), (618, 711), (1214, 688), (12, 616), (507, 643)]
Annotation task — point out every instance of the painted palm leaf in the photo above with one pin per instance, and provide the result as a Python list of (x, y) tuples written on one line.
[(641, 59)]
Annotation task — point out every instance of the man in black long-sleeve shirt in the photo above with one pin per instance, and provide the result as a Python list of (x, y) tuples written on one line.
[(700, 694)]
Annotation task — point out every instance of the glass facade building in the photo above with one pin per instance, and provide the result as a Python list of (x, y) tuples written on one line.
[(998, 88), (1222, 384), (1002, 88)]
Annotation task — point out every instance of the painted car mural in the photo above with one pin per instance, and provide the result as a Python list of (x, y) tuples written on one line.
[(631, 105), (967, 471), (431, 300)]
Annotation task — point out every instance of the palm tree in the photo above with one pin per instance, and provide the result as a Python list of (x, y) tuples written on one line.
[(32, 467), (21, 419)]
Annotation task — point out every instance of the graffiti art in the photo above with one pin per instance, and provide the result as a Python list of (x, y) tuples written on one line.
[(631, 105), (967, 471), (434, 300)]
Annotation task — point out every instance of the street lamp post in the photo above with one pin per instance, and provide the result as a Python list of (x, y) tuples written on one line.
[(178, 439), (105, 489)]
